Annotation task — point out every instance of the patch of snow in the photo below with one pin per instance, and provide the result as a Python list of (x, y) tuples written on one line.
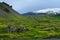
[(48, 10)]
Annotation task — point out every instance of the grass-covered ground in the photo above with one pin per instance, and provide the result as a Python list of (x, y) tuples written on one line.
[(47, 26)]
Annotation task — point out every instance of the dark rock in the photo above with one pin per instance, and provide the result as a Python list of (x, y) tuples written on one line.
[(5, 9), (5, 3), (11, 28), (10, 6), (22, 29)]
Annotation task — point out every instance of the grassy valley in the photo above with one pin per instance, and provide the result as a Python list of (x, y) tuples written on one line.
[(14, 25)]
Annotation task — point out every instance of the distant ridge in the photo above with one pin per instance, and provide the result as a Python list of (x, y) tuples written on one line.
[(48, 10), (43, 12)]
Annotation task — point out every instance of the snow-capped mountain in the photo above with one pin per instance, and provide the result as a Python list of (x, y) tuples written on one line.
[(53, 11), (48, 10)]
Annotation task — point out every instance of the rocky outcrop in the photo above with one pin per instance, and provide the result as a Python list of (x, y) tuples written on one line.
[(13, 28)]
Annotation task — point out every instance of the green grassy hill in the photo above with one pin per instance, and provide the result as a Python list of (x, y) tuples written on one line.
[(45, 26), (13, 25), (7, 14)]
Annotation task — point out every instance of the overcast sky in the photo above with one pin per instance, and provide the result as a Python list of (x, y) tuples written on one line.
[(23, 6)]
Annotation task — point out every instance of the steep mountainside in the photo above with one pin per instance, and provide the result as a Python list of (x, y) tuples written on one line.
[(7, 12)]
